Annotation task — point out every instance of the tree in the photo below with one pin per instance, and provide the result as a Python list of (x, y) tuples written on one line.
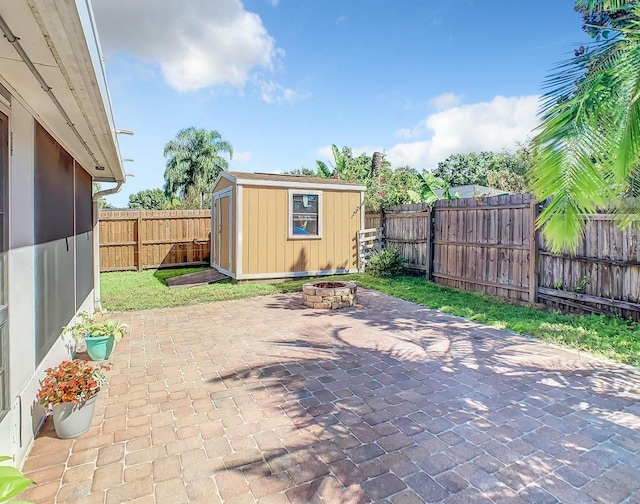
[(506, 170), (396, 187), (193, 162), (464, 169), (302, 171), (509, 170), (148, 199), (589, 139)]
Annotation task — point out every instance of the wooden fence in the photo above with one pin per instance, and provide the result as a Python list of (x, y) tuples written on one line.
[(490, 245), (136, 240)]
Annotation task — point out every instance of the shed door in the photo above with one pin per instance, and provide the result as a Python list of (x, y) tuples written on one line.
[(222, 247)]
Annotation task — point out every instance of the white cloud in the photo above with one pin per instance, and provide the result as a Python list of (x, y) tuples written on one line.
[(208, 43), (445, 101), (325, 152), (405, 132), (272, 92), (242, 157), (493, 125)]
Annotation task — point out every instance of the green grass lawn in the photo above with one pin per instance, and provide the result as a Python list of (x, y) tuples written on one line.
[(132, 290), (611, 337)]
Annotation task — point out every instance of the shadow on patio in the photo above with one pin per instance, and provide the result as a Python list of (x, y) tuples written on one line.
[(263, 400)]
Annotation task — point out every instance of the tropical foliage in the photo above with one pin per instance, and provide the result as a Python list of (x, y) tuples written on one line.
[(12, 482), (589, 140), (194, 160)]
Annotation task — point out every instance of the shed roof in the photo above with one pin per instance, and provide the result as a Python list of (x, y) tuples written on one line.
[(278, 179)]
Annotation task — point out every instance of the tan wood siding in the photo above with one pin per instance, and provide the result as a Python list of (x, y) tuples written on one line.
[(267, 248)]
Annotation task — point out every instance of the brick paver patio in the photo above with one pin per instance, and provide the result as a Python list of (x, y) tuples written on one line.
[(264, 400)]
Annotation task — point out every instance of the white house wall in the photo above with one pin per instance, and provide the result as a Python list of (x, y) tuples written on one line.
[(18, 427)]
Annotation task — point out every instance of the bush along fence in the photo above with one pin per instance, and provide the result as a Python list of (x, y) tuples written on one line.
[(136, 240), (490, 245)]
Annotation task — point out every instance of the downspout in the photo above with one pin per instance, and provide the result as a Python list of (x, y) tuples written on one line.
[(108, 192), (97, 302)]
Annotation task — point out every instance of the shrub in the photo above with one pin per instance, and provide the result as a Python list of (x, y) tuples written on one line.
[(386, 263)]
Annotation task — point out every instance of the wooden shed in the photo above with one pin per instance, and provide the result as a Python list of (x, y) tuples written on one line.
[(266, 225)]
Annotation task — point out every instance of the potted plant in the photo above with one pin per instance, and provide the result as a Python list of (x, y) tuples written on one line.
[(12, 482), (69, 391), (99, 336)]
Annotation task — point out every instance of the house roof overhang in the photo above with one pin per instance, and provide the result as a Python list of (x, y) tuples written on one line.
[(62, 50)]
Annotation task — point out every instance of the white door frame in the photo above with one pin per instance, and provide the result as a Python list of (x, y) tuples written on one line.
[(216, 227)]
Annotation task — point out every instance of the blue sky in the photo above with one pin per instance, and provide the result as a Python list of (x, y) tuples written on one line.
[(284, 79)]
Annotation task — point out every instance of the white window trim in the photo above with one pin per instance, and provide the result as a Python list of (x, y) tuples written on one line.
[(290, 215)]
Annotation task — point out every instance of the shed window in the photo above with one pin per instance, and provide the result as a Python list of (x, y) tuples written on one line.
[(305, 210)]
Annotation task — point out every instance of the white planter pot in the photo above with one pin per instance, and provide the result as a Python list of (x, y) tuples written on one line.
[(72, 420)]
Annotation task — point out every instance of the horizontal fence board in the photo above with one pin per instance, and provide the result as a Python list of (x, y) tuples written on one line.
[(480, 282), (577, 296)]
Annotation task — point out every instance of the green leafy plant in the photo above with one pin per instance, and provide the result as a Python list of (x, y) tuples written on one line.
[(113, 328), (386, 263), (12, 482), (71, 382), (88, 327), (588, 142), (582, 285)]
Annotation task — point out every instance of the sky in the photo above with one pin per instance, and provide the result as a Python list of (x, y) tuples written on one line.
[(282, 80)]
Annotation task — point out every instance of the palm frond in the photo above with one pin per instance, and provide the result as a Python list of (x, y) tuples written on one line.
[(589, 140)]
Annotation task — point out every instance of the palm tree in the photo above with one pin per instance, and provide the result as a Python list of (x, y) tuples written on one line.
[(193, 163), (589, 139)]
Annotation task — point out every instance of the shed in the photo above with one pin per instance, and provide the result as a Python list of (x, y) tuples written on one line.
[(269, 226)]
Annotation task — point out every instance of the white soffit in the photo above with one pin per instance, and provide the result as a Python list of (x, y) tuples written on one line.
[(63, 49)]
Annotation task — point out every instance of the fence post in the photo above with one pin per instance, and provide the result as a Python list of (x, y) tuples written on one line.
[(431, 243), (533, 252), (139, 240)]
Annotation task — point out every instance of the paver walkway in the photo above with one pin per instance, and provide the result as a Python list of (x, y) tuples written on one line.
[(263, 400)]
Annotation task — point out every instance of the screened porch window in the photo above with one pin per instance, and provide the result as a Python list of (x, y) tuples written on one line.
[(305, 210)]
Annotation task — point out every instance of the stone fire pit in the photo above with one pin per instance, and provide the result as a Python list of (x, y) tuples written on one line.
[(329, 295)]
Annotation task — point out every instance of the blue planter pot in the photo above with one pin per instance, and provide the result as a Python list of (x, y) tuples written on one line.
[(99, 347)]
